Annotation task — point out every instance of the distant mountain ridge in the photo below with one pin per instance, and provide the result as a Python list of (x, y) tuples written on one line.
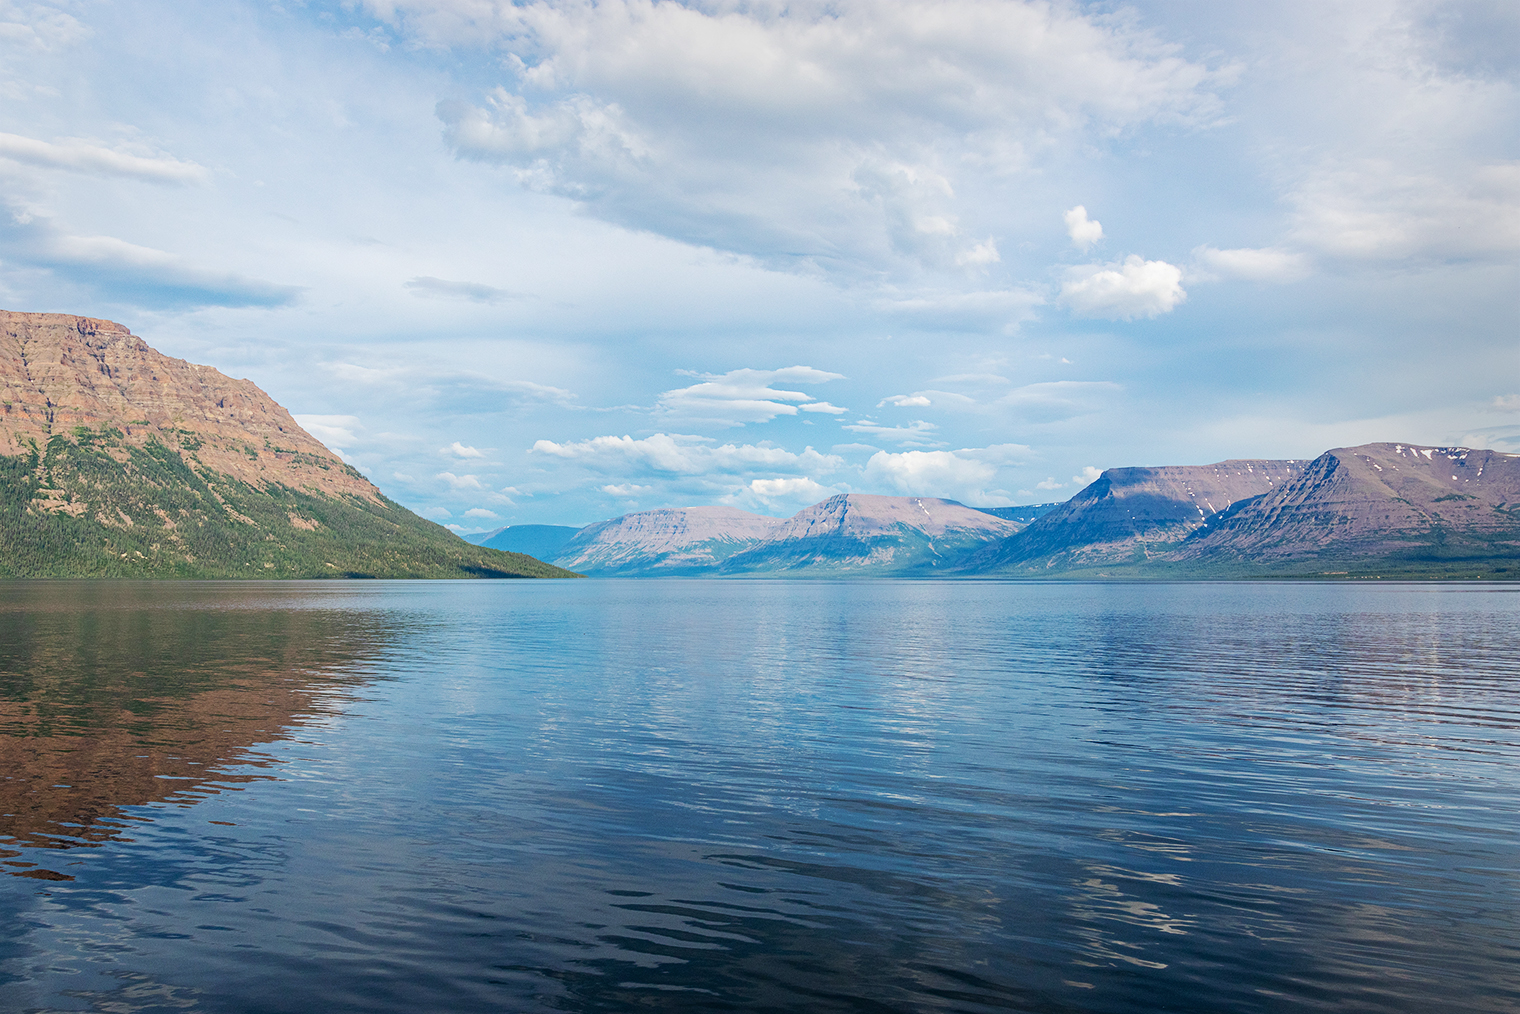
[(845, 534), (1384, 509), (1396, 510), (119, 461), (1127, 515)]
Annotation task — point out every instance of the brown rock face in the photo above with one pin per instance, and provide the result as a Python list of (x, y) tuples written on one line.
[(1128, 514), (1377, 500), (59, 372)]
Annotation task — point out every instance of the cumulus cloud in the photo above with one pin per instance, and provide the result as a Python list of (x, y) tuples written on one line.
[(1088, 476), (481, 512), (83, 157), (1267, 264), (459, 450), (461, 481), (963, 474), (333, 430), (1135, 288), (1049, 483), (1507, 403), (625, 490), (797, 488), (1084, 232), (833, 136), (683, 455), (745, 396), (904, 401)]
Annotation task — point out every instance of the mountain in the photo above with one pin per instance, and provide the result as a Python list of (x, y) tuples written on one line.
[(1377, 507), (850, 533), (1026, 514), (542, 541), (1129, 515), (683, 540), (119, 461), (858, 533), (1385, 509)]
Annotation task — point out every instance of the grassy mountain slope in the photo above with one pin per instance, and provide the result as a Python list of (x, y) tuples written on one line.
[(92, 505), (119, 461)]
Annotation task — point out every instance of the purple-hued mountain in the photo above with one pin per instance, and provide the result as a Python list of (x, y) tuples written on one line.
[(1398, 509), (1402, 502), (1127, 515), (850, 533)]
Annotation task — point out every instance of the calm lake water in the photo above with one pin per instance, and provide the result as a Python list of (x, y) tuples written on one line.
[(759, 796)]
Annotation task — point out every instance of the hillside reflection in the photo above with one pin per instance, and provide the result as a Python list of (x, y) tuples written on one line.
[(116, 695)]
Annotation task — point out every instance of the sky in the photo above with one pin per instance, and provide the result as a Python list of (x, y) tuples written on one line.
[(554, 261)]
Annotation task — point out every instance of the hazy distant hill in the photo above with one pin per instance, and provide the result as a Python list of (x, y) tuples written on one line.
[(116, 460), (1393, 510), (850, 533), (685, 540), (858, 533), (542, 541), (1026, 514)]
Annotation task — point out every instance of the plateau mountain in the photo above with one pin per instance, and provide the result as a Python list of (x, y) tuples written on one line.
[(119, 461), (1376, 510), (845, 534)]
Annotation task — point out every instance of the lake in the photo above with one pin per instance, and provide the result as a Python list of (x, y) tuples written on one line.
[(862, 796)]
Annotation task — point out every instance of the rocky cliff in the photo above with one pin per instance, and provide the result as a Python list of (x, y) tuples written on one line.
[(1129, 515), (116, 460), (1387, 509), (1375, 504)]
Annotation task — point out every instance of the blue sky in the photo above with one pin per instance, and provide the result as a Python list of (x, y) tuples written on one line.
[(552, 262)]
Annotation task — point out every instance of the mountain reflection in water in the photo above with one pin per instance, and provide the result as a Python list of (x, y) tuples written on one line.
[(119, 694), (761, 796)]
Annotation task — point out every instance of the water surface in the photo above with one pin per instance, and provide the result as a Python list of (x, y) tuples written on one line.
[(758, 796)]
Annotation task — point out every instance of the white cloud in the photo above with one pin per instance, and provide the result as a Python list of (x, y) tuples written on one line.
[(834, 136), (904, 401), (1088, 476), (823, 406), (1376, 210), (1135, 288), (798, 488), (626, 490), (481, 512), (745, 396), (332, 430), (1084, 232), (1507, 403), (683, 455), (459, 450), (962, 474), (1001, 309), (461, 481), (916, 433), (136, 275), (41, 28), (980, 255), (1267, 264), (1050, 483), (429, 287), (83, 157)]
